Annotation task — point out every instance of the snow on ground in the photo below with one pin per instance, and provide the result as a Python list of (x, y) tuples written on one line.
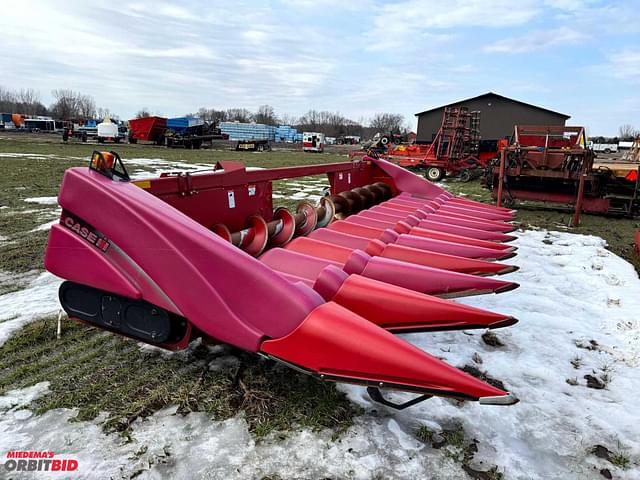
[(43, 200), (27, 155), (38, 299), (573, 292), (46, 226), (159, 165), (304, 196), (156, 166)]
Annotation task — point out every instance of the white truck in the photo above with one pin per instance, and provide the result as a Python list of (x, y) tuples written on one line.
[(603, 147)]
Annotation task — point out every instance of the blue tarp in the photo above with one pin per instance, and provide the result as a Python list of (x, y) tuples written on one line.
[(180, 124), (249, 131)]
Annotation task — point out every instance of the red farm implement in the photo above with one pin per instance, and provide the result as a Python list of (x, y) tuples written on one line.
[(322, 289), (552, 164), (147, 129), (453, 151)]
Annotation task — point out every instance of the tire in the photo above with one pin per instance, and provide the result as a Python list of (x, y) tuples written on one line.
[(607, 150), (84, 137), (465, 176), (434, 174), (133, 140), (100, 140)]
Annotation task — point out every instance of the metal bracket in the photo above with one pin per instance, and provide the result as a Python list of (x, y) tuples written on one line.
[(376, 396)]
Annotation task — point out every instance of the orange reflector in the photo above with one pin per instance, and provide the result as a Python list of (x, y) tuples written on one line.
[(103, 160)]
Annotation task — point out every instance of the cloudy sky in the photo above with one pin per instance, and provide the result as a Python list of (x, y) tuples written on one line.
[(358, 57)]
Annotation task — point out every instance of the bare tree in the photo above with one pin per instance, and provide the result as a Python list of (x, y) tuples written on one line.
[(266, 115), (65, 105), (628, 132), (143, 113), (86, 106), (387, 122), (26, 101), (211, 115), (70, 104), (286, 119), (104, 112), (239, 115), (330, 123)]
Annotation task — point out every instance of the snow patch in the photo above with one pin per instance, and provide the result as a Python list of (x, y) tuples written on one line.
[(569, 327), (37, 300), (43, 200), (16, 399), (46, 226), (562, 303)]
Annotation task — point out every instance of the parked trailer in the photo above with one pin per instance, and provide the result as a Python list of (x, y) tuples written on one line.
[(83, 133), (253, 146), (147, 129), (192, 133)]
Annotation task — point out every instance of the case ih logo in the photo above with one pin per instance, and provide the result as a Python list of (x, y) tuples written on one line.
[(29, 461), (85, 231)]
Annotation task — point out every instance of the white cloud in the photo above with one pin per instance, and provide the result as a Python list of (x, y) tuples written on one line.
[(358, 57), (256, 36), (624, 64), (401, 23), (537, 40)]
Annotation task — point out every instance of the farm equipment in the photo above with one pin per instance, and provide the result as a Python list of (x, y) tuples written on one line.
[(189, 132), (454, 150), (321, 290), (633, 154), (186, 132), (553, 164), (147, 129), (81, 132), (107, 131), (253, 146)]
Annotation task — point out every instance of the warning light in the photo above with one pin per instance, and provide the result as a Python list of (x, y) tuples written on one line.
[(103, 160), (106, 164)]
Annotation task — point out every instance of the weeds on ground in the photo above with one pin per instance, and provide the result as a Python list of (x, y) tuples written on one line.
[(95, 371)]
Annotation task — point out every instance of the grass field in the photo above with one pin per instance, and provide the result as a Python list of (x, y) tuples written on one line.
[(95, 371), (85, 363)]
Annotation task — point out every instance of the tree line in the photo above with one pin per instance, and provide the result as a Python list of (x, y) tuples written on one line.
[(69, 104), (332, 124), (626, 133)]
